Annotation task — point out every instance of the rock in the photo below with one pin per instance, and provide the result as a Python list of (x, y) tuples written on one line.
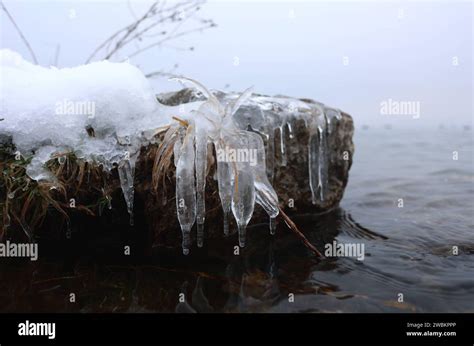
[(155, 211), (291, 181)]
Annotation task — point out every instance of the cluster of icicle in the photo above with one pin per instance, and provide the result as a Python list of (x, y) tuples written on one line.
[(224, 121), (240, 183)]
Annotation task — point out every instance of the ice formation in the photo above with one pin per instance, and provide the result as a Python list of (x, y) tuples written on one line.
[(48, 111)]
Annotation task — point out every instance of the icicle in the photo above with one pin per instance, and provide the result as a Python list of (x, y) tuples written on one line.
[(126, 171), (186, 188), (243, 190), (282, 144), (270, 154), (290, 130), (224, 177), (318, 158), (265, 194), (313, 165), (179, 133), (243, 202), (323, 162), (201, 168), (177, 147)]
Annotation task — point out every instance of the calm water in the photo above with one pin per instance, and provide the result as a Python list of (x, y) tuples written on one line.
[(408, 250)]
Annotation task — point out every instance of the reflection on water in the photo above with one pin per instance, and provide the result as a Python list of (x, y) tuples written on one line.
[(408, 250)]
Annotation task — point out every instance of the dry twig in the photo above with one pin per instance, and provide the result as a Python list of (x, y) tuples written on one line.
[(27, 44), (152, 24), (300, 235)]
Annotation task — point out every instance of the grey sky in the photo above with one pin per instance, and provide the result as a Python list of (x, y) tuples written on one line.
[(396, 50)]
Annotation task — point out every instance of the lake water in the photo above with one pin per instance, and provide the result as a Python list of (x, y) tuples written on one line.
[(438, 213), (409, 249)]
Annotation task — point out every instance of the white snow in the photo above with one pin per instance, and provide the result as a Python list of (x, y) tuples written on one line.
[(41, 103), (47, 111)]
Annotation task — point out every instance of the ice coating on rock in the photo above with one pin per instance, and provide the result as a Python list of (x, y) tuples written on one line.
[(332, 116), (282, 144), (319, 119)]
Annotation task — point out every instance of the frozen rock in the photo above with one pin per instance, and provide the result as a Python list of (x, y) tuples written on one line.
[(277, 152), (318, 148), (263, 115)]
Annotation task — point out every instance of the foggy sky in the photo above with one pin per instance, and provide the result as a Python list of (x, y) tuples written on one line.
[(403, 51)]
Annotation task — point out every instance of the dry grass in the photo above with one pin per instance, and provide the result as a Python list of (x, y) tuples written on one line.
[(24, 203)]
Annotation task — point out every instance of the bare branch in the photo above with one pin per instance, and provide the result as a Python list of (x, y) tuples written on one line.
[(194, 7), (126, 29), (20, 33), (150, 25), (161, 74), (300, 235), (158, 43)]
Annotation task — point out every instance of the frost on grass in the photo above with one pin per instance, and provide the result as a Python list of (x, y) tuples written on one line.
[(105, 112)]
